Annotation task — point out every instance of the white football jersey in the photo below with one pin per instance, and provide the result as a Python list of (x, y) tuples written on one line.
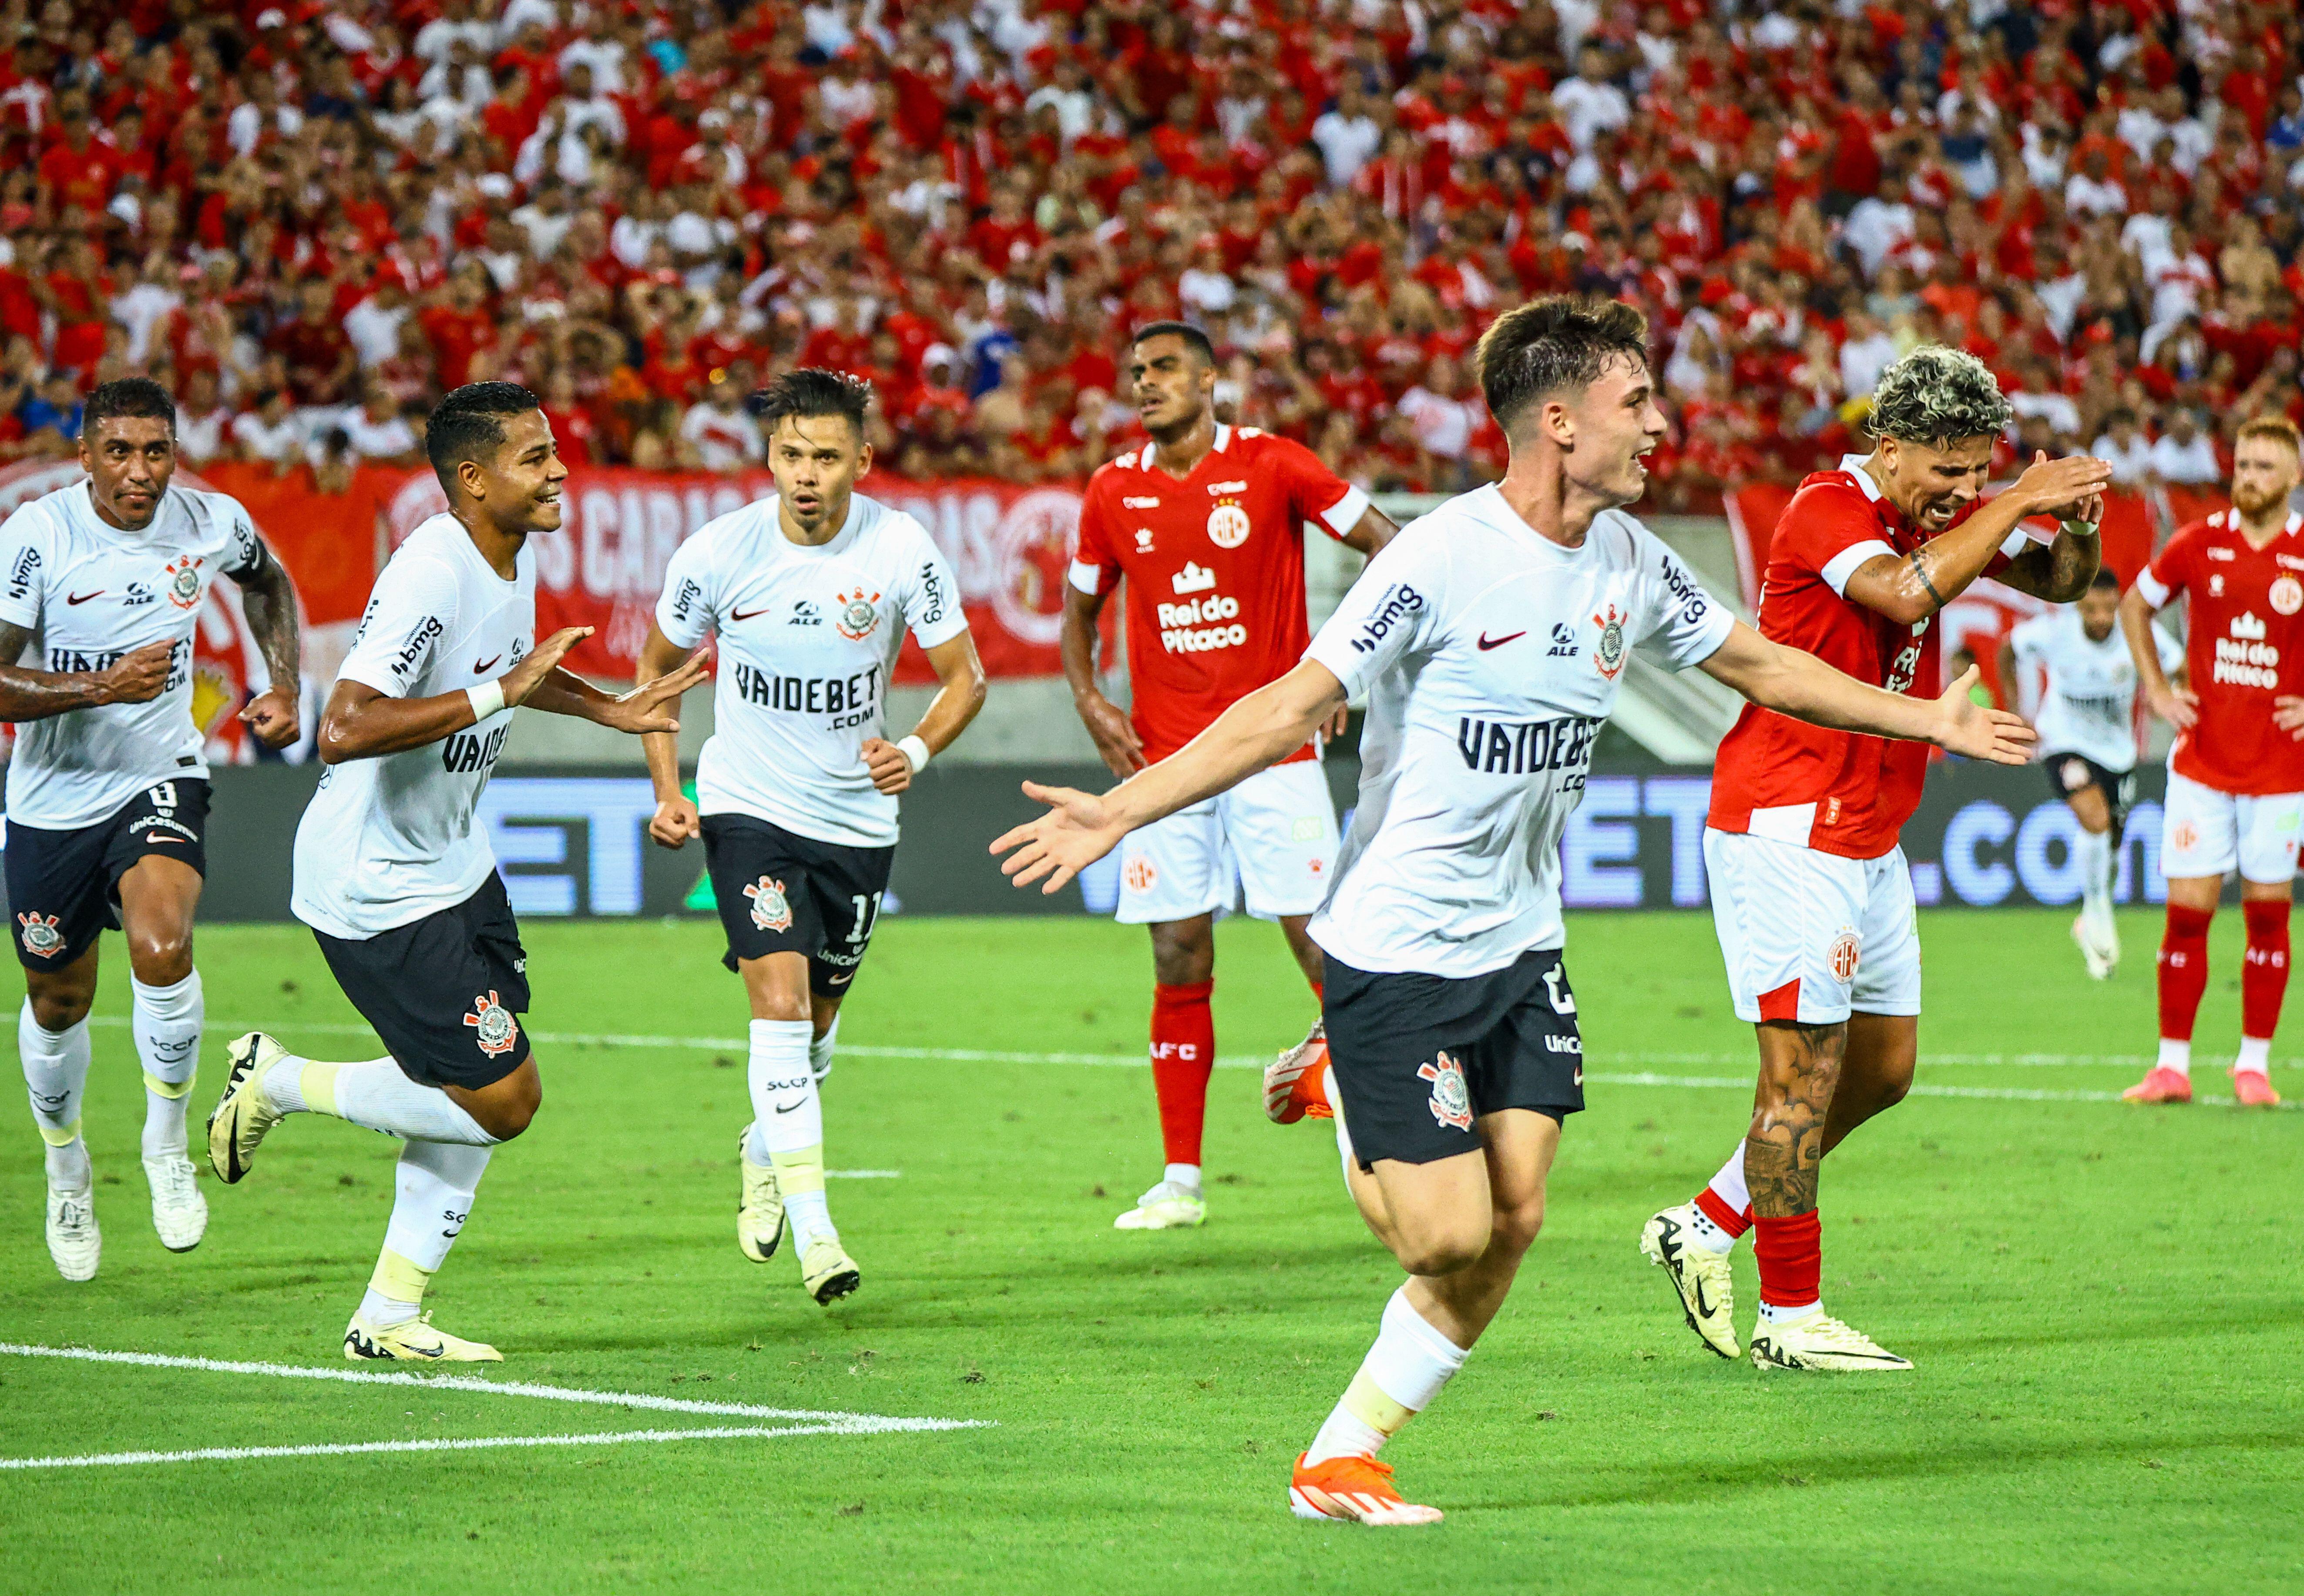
[(807, 638), (2089, 704), (388, 840), (1490, 656), (91, 592)]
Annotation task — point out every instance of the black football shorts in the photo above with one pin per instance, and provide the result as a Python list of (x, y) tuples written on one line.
[(2069, 773), (63, 887), (779, 893), (446, 993)]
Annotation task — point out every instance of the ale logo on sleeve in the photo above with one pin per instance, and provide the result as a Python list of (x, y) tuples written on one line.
[(1228, 524), (40, 934), (1450, 1102), (860, 612), (184, 581), (497, 1027), (1608, 654), (771, 911)]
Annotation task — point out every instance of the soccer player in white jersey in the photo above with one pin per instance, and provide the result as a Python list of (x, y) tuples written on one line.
[(399, 888), (1491, 637), (810, 593), (2087, 720), (108, 791)]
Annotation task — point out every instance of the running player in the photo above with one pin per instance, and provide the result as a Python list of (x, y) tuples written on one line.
[(2236, 775), (1491, 637), (1206, 523), (1810, 893), (810, 592), (108, 791), (2087, 720), (399, 888)]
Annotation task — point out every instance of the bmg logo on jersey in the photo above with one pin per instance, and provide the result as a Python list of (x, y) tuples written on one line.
[(20, 579), (419, 637), (1400, 601)]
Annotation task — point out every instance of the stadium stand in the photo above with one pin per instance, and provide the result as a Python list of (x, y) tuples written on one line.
[(309, 220)]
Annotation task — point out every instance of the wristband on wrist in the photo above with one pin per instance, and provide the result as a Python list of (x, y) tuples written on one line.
[(487, 698), (916, 750)]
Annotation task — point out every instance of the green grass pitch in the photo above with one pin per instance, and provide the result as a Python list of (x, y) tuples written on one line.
[(2106, 1304)]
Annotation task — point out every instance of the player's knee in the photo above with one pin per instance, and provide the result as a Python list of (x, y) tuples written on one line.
[(60, 1009), (1515, 1227), (509, 1109), (160, 956), (782, 1006), (1444, 1250)]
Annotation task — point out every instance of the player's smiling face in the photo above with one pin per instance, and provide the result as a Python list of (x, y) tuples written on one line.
[(521, 486), (128, 460), (815, 460), (1616, 422), (1171, 384), (2263, 474), (1932, 485)]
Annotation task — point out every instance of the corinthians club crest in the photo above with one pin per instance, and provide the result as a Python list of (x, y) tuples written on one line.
[(1608, 654), (497, 1027), (1450, 1102), (183, 584), (860, 612), (40, 934), (770, 910)]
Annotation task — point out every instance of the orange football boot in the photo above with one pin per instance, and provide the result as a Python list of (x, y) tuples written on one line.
[(1296, 1083), (2160, 1085), (2253, 1087), (1356, 1488)]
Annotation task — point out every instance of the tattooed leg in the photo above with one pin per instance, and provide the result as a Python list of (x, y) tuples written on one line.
[(1800, 1071)]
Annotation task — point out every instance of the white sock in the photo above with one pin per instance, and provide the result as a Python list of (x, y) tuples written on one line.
[(2177, 1056), (1399, 1377), (167, 1025), (1729, 1187), (1704, 1234), (432, 1198), (788, 1123), (56, 1074), (2093, 852), (820, 1050), (1774, 1314), (1187, 1175), (374, 1095), (2255, 1057)]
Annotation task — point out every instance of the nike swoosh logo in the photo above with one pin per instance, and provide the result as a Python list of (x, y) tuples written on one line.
[(736, 615), (160, 837), (81, 598), (1703, 1304), (841, 980), (784, 1108), (1486, 642), (485, 663)]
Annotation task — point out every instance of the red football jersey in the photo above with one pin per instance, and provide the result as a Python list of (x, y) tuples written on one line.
[(1835, 791), (2245, 637), (1214, 564)]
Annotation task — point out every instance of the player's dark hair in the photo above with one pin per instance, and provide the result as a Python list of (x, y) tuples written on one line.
[(137, 396), (467, 424), (2105, 576), (1194, 338), (812, 391), (1557, 342)]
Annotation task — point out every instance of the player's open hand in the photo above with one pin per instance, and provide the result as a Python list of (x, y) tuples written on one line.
[(1073, 834), (271, 718), (528, 675), (1115, 738), (138, 676), (2179, 707), (655, 705), (2288, 715), (675, 822), (1973, 731), (2059, 487), (888, 765)]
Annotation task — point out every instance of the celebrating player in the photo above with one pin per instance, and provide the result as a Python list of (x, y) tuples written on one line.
[(1491, 636), (399, 889), (810, 592), (2236, 774), (2087, 722), (1207, 523), (1810, 893), (108, 791)]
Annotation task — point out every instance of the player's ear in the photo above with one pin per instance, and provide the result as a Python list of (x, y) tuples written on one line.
[(1555, 421), (863, 460)]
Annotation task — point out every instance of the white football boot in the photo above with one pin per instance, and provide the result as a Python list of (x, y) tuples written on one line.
[(179, 1212), (1167, 1206), (74, 1240), (1705, 1283), (1818, 1341)]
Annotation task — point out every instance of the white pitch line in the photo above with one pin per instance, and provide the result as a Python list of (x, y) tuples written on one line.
[(863, 1174), (608, 1438), (851, 1424)]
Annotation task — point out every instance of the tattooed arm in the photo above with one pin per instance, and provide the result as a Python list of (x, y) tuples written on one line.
[(269, 598), (1910, 588), (30, 695)]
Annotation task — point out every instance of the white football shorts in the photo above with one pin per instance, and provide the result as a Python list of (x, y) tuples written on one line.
[(1809, 936), (1271, 841), (2207, 832)]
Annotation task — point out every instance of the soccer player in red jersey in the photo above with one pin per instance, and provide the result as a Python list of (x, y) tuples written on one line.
[(1206, 523), (1810, 893), (2236, 774)]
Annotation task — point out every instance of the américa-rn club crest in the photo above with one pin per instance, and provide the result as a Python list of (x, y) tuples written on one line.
[(40, 934), (771, 910), (497, 1027), (860, 612), (1608, 653), (1228, 524), (1450, 1102)]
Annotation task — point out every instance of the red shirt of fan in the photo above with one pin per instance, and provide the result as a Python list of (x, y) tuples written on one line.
[(1838, 792), (2245, 646), (1214, 564)]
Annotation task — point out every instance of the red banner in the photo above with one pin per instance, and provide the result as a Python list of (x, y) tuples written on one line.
[(603, 568)]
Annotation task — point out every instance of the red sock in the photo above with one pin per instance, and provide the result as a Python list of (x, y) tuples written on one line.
[(1791, 1256), (2184, 970), (2264, 970), (1735, 1221), (1183, 1052)]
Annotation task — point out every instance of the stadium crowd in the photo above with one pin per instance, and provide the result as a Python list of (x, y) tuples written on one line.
[(309, 220)]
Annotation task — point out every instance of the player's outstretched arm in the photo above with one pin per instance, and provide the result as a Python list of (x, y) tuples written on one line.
[(269, 599), (29, 695), (651, 709), (1803, 687), (892, 765), (1080, 828), (360, 722), (1910, 588), (2175, 705)]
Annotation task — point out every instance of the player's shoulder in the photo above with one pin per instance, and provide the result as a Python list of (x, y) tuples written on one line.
[(2035, 630), (206, 506), (425, 563), (1828, 493), (1121, 471), (885, 523), (1254, 446), (48, 515)]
